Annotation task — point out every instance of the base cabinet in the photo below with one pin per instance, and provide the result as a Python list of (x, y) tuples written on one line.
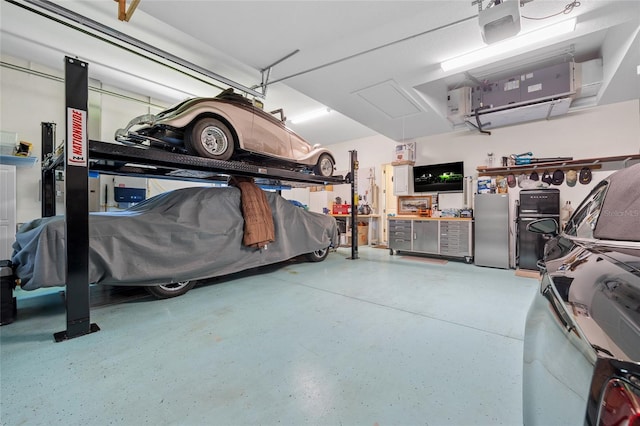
[(455, 239), (425, 235), (400, 235), (441, 237)]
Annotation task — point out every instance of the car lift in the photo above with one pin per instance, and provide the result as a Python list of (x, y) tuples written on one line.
[(81, 155)]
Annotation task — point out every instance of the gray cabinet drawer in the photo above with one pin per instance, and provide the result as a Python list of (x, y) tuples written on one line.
[(400, 225), (455, 238)]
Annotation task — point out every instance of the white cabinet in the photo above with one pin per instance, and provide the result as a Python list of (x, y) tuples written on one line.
[(402, 180), (7, 210)]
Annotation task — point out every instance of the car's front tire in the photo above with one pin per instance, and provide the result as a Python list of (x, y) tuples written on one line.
[(209, 138), (166, 291), (324, 166), (318, 255)]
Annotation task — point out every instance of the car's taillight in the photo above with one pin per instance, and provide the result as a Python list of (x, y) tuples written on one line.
[(620, 405)]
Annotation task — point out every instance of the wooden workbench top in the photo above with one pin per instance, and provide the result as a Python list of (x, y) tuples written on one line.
[(410, 217)]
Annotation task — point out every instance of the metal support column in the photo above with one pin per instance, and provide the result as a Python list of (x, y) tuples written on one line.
[(48, 174), (76, 166), (353, 157)]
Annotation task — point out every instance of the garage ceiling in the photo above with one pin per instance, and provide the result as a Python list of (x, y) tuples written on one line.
[(375, 64)]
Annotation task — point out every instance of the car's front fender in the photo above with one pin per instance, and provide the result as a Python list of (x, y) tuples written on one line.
[(558, 363), (238, 119)]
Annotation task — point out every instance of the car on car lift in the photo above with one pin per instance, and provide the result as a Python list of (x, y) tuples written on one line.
[(228, 127)]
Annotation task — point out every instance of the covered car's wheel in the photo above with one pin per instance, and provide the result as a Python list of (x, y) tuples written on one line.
[(209, 138), (166, 291), (318, 255), (324, 167)]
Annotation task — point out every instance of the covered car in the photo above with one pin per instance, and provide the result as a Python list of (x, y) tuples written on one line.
[(226, 127), (582, 333), (170, 240)]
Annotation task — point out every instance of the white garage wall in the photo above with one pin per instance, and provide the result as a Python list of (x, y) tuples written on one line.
[(604, 131), (27, 100)]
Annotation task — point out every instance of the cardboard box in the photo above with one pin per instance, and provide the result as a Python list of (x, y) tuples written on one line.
[(405, 152), (363, 235)]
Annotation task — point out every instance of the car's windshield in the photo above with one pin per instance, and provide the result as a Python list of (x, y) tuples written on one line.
[(583, 221)]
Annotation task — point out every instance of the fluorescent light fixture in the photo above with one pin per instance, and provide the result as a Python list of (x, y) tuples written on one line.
[(510, 45), (311, 115)]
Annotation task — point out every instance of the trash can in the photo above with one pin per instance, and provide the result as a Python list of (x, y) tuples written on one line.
[(8, 307)]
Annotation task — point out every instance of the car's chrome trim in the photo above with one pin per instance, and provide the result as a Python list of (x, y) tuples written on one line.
[(594, 242), (148, 119)]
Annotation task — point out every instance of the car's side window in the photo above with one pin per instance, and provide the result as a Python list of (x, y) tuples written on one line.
[(583, 221)]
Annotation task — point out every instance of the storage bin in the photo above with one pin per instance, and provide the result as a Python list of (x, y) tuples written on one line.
[(8, 308)]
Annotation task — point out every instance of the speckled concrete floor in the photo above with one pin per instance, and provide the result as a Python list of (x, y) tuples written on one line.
[(382, 340)]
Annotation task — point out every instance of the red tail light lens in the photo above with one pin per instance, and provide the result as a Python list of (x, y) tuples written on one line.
[(620, 405)]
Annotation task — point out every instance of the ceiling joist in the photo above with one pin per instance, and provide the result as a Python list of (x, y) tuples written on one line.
[(124, 13)]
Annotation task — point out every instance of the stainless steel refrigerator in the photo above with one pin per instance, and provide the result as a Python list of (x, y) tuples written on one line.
[(534, 204), (491, 215)]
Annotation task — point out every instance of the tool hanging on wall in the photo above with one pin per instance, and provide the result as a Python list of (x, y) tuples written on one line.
[(526, 158)]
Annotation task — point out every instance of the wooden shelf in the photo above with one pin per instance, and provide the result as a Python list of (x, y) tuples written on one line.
[(592, 163)]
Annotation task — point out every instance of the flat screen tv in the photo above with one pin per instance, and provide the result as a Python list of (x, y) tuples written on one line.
[(445, 177)]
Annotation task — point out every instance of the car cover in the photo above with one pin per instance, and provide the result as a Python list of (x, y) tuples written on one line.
[(186, 234), (620, 214)]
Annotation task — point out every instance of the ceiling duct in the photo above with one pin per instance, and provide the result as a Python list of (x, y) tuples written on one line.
[(529, 96)]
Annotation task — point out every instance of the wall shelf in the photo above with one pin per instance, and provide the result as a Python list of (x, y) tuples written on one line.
[(592, 163), (14, 160)]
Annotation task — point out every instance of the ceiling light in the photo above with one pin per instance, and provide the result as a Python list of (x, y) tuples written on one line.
[(510, 45), (311, 115)]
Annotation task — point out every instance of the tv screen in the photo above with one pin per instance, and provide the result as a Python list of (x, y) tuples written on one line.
[(445, 177)]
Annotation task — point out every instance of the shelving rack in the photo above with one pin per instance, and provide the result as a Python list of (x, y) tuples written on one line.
[(81, 155), (592, 163)]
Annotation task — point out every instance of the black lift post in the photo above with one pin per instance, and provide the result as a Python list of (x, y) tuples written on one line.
[(353, 157), (48, 173), (76, 167)]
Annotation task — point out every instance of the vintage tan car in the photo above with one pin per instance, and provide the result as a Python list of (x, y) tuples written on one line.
[(228, 127)]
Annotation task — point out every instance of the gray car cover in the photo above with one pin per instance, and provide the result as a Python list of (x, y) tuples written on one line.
[(186, 234)]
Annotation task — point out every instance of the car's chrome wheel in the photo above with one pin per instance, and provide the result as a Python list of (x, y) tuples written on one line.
[(214, 140), (318, 255), (166, 291), (324, 166), (210, 138)]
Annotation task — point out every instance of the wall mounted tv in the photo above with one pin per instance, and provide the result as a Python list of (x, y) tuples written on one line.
[(445, 177)]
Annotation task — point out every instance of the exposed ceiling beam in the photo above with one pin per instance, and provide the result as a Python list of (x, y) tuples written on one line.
[(124, 13)]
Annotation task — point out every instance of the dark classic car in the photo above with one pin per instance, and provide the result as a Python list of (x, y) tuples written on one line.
[(167, 242), (228, 127), (582, 334)]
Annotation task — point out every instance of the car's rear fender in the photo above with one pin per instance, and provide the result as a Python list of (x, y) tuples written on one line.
[(311, 159)]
